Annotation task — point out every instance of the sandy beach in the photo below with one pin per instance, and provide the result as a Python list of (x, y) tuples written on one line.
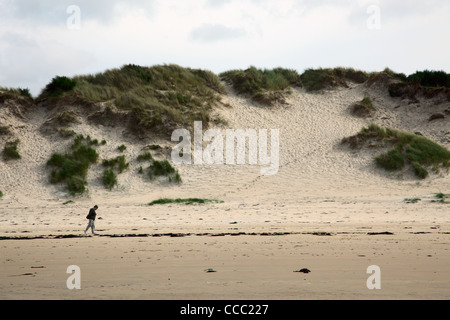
[(328, 209)]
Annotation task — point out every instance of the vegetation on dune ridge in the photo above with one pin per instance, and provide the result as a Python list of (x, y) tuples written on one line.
[(265, 86), (270, 86), (429, 83), (21, 97), (405, 149), (430, 78), (164, 97), (323, 78), (58, 86), (159, 98), (15, 92)]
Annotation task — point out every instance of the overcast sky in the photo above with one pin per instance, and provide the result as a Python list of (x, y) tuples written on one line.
[(40, 39)]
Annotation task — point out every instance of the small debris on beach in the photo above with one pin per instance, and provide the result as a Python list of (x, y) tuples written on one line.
[(303, 270)]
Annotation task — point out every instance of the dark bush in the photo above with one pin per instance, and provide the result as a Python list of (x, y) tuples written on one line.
[(76, 185), (391, 160), (10, 151), (72, 167), (164, 168), (59, 85), (419, 170), (109, 179), (428, 78)]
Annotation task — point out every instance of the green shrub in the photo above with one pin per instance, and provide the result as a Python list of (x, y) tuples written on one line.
[(441, 197), (177, 177), (408, 148), (85, 153), (1, 194), (76, 184), (56, 160), (164, 168), (59, 85), (419, 170), (161, 168), (122, 148), (109, 179), (147, 156), (119, 161), (10, 151), (123, 164), (69, 168), (25, 92), (373, 131), (426, 152), (72, 167), (391, 160)]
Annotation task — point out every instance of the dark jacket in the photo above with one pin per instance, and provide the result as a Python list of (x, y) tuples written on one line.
[(92, 214)]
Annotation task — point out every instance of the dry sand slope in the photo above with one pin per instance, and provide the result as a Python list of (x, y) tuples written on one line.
[(317, 212)]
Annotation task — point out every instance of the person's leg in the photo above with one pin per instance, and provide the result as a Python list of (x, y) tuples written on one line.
[(93, 227), (88, 226)]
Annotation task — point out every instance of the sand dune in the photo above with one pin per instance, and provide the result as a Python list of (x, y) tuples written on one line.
[(316, 212)]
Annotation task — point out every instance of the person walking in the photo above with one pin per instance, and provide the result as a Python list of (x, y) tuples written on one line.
[(91, 216)]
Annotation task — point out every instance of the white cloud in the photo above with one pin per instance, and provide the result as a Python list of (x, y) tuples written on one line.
[(53, 12), (216, 32)]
